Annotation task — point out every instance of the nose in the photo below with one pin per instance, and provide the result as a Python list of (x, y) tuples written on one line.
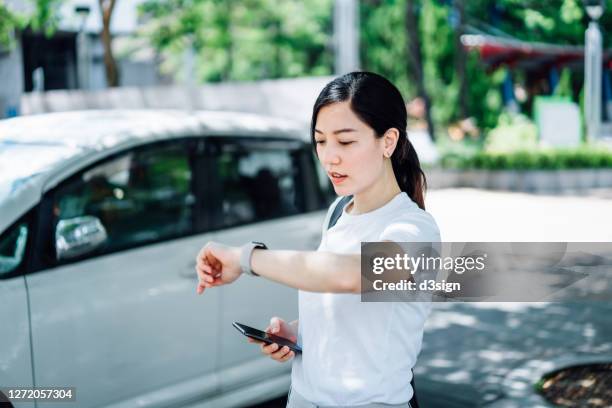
[(329, 155)]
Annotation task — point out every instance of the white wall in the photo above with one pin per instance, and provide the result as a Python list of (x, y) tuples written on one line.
[(124, 20), (290, 98)]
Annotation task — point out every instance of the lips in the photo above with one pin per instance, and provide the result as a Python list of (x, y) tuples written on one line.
[(336, 177)]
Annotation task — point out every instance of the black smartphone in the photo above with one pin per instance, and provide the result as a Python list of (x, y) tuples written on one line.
[(266, 337)]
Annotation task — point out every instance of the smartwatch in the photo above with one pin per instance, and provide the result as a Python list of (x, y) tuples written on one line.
[(245, 256)]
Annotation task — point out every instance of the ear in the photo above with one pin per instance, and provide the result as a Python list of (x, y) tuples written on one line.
[(390, 139)]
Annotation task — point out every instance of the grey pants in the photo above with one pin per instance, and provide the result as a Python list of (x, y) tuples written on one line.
[(295, 400)]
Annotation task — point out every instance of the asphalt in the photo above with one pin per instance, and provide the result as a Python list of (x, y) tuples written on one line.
[(492, 354)]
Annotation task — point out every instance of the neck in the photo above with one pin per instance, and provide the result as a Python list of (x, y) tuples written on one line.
[(377, 195)]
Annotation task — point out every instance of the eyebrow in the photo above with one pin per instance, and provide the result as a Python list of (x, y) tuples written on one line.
[(336, 132)]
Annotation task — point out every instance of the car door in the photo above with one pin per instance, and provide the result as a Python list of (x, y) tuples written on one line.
[(15, 356), (123, 324), (263, 195)]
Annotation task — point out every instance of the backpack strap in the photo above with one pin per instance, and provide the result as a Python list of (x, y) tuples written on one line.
[(337, 211)]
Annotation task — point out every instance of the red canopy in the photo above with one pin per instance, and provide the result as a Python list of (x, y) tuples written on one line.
[(496, 51)]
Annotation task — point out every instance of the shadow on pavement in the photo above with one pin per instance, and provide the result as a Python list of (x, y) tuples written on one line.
[(470, 350)]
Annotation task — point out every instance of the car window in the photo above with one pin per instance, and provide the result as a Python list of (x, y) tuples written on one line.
[(140, 196), (12, 247), (258, 182)]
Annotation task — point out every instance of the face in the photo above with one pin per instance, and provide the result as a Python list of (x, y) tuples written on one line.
[(348, 150)]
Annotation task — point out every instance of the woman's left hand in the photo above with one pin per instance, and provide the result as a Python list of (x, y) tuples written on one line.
[(216, 265)]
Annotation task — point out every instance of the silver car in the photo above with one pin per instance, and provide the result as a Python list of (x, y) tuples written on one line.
[(101, 216)]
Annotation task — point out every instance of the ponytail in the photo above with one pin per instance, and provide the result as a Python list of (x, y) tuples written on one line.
[(408, 172)]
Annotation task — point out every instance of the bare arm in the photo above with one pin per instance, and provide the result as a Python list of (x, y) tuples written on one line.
[(218, 264), (310, 271)]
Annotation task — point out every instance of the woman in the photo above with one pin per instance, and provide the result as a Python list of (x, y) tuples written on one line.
[(354, 353)]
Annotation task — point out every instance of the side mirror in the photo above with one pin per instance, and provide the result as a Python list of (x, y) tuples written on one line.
[(78, 236), (13, 249)]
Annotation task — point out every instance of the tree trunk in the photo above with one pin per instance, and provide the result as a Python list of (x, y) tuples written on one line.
[(226, 24), (415, 71), (461, 60), (110, 65), (278, 65)]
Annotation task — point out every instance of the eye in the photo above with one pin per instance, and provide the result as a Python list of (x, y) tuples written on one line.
[(319, 141), (346, 143)]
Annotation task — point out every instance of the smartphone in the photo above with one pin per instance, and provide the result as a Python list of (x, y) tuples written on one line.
[(266, 337)]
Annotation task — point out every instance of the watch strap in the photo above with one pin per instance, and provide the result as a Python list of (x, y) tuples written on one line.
[(246, 253)]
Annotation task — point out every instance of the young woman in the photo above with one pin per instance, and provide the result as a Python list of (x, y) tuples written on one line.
[(354, 353)]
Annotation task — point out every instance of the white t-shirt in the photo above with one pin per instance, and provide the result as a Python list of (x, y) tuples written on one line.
[(357, 353)]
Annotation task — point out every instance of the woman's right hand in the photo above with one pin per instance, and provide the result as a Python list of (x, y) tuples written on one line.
[(280, 328)]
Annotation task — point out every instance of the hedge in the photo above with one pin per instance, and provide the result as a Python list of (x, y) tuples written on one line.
[(583, 158)]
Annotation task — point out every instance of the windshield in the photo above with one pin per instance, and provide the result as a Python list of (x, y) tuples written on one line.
[(21, 161)]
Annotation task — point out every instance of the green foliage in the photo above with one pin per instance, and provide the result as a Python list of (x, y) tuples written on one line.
[(513, 132), (540, 159), (539, 386), (8, 23), (383, 42), (258, 39), (44, 17), (455, 154), (438, 60), (383, 50), (513, 145), (484, 92), (241, 40), (558, 22), (564, 87)]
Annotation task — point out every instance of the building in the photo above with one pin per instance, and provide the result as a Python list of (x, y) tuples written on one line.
[(72, 58)]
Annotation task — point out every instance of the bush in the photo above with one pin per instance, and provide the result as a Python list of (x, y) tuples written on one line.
[(513, 132), (550, 159), (457, 154)]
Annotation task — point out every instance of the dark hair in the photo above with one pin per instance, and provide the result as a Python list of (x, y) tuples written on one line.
[(379, 104)]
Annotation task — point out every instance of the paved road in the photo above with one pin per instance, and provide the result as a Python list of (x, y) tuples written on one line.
[(481, 215), (489, 354)]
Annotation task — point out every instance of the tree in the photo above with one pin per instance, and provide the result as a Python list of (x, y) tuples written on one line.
[(241, 40), (43, 17), (8, 22), (414, 43), (415, 61), (110, 64), (383, 44), (461, 58)]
